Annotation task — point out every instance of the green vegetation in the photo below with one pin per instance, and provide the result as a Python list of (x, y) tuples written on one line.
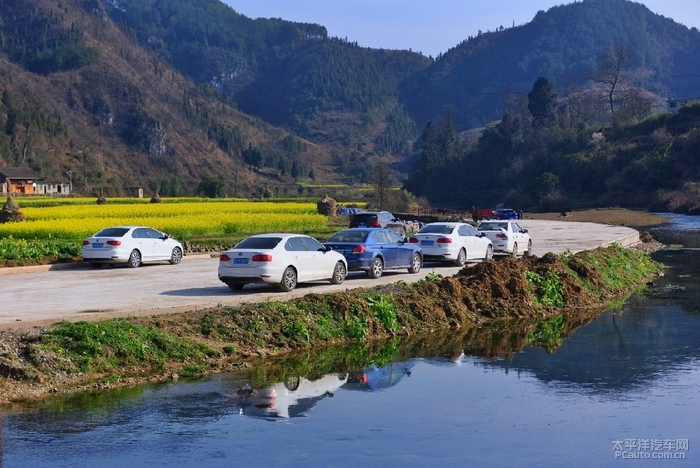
[(548, 333), (114, 344), (548, 289), (22, 250)]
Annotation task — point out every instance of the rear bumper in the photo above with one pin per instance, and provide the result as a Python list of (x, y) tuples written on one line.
[(247, 280)]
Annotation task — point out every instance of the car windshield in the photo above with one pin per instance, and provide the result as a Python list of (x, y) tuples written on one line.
[(492, 226), (364, 218), (436, 229), (112, 232), (258, 243), (348, 236)]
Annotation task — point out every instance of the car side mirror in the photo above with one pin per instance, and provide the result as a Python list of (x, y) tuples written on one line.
[(524, 231)]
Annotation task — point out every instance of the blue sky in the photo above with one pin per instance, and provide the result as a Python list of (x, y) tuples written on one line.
[(425, 26)]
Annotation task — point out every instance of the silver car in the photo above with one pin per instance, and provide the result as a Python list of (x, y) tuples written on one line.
[(132, 245)]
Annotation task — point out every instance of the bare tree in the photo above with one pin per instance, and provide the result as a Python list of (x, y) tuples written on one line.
[(612, 71), (381, 181)]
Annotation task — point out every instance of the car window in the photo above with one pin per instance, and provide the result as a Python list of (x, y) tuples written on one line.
[(296, 244), (462, 231), (312, 244), (364, 218), (471, 231), (348, 236), (380, 237), (517, 228), (153, 234), (140, 233), (489, 226), (258, 243), (436, 229), (112, 232), (393, 237)]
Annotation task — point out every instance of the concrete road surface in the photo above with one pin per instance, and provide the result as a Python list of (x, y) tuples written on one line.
[(40, 295)]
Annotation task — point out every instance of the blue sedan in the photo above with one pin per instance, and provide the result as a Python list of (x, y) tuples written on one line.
[(376, 250)]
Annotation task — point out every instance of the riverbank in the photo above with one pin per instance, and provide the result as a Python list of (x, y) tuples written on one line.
[(70, 357)]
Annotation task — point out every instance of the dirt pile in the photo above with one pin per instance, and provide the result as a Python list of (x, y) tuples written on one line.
[(10, 212)]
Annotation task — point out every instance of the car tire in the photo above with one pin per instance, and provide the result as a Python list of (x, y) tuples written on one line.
[(416, 263), (529, 247), (489, 253), (515, 249), (289, 279), (461, 258), (134, 259), (176, 256), (339, 273), (376, 268), (236, 286)]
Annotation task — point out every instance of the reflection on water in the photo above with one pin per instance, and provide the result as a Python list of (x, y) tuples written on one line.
[(475, 397)]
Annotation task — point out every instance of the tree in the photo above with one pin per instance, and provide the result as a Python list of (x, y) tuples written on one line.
[(213, 186), (612, 71), (295, 171), (381, 181), (542, 103), (253, 156)]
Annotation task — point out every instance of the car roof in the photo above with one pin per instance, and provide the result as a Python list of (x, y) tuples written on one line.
[(445, 223)]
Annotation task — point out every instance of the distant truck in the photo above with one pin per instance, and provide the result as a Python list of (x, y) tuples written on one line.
[(482, 213)]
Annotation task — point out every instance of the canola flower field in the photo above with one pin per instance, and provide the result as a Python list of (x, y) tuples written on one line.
[(73, 219)]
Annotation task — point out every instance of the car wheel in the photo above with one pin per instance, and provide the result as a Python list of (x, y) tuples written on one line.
[(376, 269), (95, 265), (415, 264), (489, 253), (236, 286), (529, 246), (289, 279), (134, 259), (176, 256), (461, 258), (515, 249), (339, 273)]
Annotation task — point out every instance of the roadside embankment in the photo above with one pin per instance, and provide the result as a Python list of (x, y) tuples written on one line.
[(77, 356)]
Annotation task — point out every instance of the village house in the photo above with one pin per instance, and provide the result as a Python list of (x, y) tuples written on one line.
[(22, 181)]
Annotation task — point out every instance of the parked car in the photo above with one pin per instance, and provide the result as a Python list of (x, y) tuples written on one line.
[(481, 213), (377, 219), (507, 237), (132, 245), (452, 242), (506, 213), (376, 250), (280, 259)]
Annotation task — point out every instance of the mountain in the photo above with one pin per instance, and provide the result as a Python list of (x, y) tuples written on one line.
[(168, 93)]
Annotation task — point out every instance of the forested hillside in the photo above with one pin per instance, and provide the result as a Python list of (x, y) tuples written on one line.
[(190, 96)]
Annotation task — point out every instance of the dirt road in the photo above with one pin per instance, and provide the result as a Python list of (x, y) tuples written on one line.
[(31, 296)]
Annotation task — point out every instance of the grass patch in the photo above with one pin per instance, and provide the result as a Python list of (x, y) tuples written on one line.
[(113, 344), (548, 333)]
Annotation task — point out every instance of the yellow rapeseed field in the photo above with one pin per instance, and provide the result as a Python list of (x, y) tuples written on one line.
[(76, 219)]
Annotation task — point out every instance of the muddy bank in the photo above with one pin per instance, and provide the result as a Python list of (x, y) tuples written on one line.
[(69, 357)]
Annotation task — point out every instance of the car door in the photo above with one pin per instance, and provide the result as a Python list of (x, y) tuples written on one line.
[(161, 248), (302, 258), (323, 264), (404, 251), (519, 236), (467, 241), (144, 243), (387, 249)]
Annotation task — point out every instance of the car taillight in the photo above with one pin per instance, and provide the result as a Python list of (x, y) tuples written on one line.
[(363, 379), (114, 243), (224, 258), (374, 224), (262, 258), (359, 249), (86, 242), (413, 240), (502, 236), (444, 240)]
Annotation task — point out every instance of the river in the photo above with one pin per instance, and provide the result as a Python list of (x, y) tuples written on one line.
[(622, 385)]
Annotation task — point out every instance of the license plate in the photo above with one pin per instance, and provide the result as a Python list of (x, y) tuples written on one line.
[(240, 261), (427, 242), (97, 245)]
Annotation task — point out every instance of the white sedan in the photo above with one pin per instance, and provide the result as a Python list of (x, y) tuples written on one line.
[(132, 245), (282, 260), (507, 237), (453, 242)]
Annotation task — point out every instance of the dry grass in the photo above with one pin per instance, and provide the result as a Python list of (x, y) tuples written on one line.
[(614, 216)]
